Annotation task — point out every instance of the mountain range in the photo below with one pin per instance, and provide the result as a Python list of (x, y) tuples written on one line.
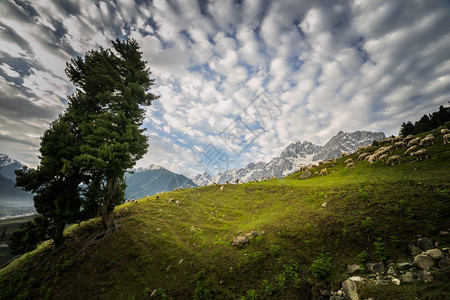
[(152, 180), (8, 191), (294, 156)]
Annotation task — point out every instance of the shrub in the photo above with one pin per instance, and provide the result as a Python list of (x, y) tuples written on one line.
[(321, 267)]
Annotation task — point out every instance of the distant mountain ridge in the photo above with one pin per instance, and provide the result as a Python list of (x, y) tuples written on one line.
[(152, 180), (294, 156), (8, 190)]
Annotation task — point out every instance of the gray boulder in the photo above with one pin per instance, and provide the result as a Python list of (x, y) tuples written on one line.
[(391, 271), (426, 276), (306, 175), (407, 277), (424, 262), (415, 250), (375, 267), (425, 243), (445, 262), (435, 254), (405, 266), (353, 269), (350, 289)]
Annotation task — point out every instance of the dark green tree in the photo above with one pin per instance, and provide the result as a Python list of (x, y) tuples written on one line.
[(407, 128), (112, 88), (56, 181)]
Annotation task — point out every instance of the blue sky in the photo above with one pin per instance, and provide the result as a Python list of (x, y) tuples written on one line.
[(242, 78)]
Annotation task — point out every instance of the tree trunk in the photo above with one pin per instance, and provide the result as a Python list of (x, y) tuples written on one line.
[(58, 239), (109, 224)]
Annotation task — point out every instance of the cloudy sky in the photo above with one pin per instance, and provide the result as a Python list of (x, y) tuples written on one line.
[(239, 80)]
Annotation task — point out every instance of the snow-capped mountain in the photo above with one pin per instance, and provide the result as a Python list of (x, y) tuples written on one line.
[(8, 166), (346, 142), (293, 157)]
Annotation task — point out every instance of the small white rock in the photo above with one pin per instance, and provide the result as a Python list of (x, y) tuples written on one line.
[(396, 281)]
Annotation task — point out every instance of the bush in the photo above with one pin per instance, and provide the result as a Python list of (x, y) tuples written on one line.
[(321, 267), (27, 238)]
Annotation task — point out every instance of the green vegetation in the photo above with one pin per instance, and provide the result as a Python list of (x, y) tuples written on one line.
[(185, 251), (92, 144)]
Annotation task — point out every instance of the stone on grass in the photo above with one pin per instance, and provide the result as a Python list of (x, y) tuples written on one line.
[(426, 276), (415, 250), (425, 243), (396, 281), (445, 262), (350, 289), (435, 254), (405, 266), (352, 269), (407, 277), (375, 267), (306, 175), (424, 262)]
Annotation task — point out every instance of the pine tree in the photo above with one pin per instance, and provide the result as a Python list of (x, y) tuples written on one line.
[(112, 87)]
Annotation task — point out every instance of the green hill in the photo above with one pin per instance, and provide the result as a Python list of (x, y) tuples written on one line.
[(185, 251)]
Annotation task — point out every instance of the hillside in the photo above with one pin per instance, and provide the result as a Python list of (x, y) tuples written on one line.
[(185, 251)]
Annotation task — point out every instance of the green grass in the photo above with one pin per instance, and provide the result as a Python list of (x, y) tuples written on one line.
[(185, 252)]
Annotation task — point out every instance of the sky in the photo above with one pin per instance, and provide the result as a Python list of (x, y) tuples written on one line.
[(238, 80)]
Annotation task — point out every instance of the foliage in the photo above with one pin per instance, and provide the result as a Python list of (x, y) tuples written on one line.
[(427, 122), (112, 88), (27, 238), (321, 267), (380, 249)]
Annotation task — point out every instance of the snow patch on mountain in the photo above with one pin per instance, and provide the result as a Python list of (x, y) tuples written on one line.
[(293, 157)]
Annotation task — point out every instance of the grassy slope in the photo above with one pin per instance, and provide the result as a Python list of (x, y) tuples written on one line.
[(185, 251)]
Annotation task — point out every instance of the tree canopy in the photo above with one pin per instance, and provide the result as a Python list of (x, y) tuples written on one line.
[(87, 150)]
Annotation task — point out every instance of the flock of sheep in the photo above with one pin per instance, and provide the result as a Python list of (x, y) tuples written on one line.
[(409, 143)]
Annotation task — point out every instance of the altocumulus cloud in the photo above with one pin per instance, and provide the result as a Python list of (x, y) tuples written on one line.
[(323, 66)]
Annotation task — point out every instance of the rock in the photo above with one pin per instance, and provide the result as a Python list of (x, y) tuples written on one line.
[(377, 267), (415, 250), (336, 297), (407, 277), (324, 204), (426, 276), (424, 262), (356, 278), (391, 271), (445, 262), (352, 269), (372, 276), (405, 266), (243, 240), (444, 233), (435, 254), (425, 243), (306, 175), (396, 281), (350, 289)]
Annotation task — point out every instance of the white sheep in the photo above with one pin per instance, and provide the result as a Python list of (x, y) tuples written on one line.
[(363, 155), (373, 158), (447, 138), (427, 141), (221, 188), (445, 131), (323, 171), (343, 154), (399, 144), (383, 157), (408, 138), (171, 200), (411, 149), (421, 153), (412, 142), (393, 159), (177, 203), (350, 164), (348, 160)]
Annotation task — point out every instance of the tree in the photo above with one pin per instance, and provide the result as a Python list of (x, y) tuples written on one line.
[(112, 86), (407, 128), (56, 181)]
